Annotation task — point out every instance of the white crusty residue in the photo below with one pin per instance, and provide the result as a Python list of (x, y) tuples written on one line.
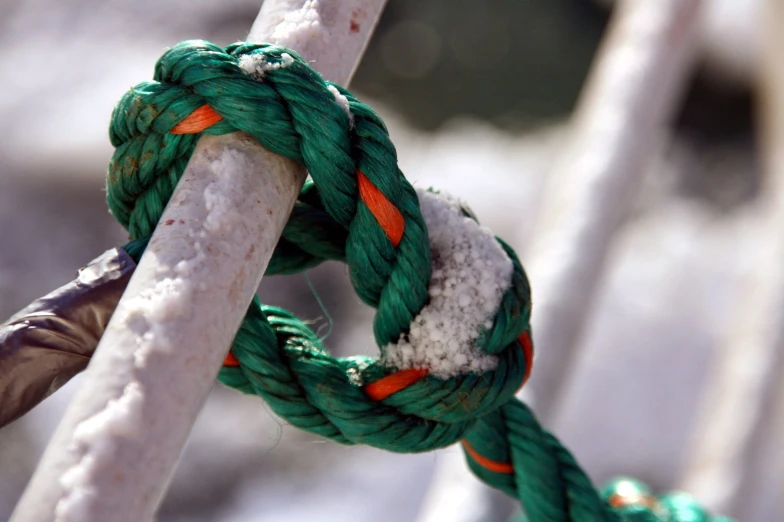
[(120, 418), (150, 316), (343, 102), (470, 274), (256, 65), (301, 28)]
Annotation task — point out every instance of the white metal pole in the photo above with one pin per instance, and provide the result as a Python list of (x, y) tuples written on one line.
[(114, 453), (619, 124), (740, 400)]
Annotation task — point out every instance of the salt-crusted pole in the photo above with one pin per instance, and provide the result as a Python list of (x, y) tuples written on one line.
[(115, 451), (743, 398), (619, 124)]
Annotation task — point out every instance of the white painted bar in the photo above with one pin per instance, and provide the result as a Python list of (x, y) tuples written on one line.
[(114, 453)]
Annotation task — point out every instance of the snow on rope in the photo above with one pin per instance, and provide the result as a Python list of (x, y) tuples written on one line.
[(470, 272)]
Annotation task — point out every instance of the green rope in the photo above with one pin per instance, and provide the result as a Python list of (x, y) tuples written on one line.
[(292, 112)]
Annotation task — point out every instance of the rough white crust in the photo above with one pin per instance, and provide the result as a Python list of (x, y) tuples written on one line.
[(256, 65), (470, 274), (343, 102)]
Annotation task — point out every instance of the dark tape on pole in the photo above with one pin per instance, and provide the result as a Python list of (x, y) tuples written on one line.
[(52, 340)]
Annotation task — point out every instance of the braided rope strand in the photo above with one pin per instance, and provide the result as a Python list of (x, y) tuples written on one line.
[(358, 208)]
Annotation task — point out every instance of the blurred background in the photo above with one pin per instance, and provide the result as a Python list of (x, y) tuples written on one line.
[(477, 96)]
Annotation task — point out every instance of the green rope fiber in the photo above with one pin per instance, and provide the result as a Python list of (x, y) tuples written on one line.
[(292, 112)]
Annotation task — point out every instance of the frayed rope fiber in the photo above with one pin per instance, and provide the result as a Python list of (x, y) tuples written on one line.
[(360, 209)]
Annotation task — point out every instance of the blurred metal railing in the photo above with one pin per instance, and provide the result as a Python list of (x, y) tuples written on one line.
[(744, 398), (620, 123)]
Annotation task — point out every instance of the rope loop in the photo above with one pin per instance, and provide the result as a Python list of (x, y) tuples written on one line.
[(359, 208), (452, 301)]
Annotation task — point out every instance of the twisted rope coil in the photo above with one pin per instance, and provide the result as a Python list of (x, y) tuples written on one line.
[(360, 209)]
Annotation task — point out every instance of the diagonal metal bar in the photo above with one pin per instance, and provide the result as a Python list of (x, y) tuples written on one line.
[(114, 453)]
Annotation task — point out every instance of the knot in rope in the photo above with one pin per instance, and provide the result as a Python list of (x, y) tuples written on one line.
[(358, 208), (452, 301)]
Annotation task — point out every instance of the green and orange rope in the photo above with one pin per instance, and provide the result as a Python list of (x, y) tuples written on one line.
[(358, 208)]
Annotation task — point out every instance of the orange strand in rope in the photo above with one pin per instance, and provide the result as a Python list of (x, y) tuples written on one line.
[(388, 216), (528, 351), (490, 465), (383, 388), (231, 360), (202, 118)]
